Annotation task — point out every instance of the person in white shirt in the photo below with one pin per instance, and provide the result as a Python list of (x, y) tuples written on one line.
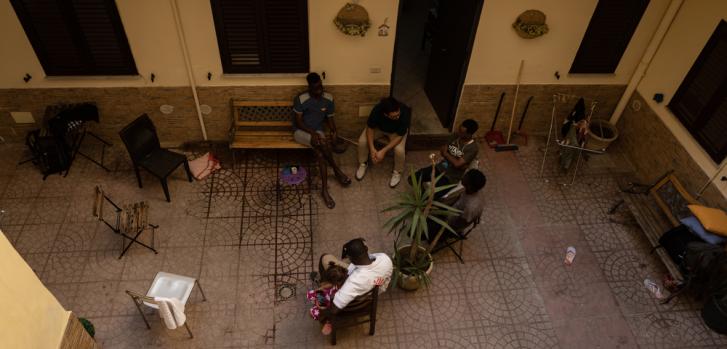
[(364, 272)]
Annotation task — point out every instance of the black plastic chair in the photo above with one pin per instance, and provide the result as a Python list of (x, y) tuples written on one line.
[(363, 306), (141, 140), (448, 240)]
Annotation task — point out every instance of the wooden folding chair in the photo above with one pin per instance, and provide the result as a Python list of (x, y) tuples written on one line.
[(166, 285), (363, 306), (448, 240)]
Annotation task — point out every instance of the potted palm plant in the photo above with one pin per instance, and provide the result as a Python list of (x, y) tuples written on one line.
[(413, 207)]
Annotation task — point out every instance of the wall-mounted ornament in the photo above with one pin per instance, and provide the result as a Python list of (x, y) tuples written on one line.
[(384, 28), (166, 109), (353, 20), (530, 24)]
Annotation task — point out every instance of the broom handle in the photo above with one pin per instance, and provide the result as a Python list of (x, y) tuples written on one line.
[(514, 101)]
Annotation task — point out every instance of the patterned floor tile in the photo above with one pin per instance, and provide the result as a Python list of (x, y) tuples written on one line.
[(519, 336), (247, 240), (37, 238), (670, 330)]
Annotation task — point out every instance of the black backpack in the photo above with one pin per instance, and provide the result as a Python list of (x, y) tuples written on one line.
[(675, 242), (706, 267), (700, 255), (48, 154)]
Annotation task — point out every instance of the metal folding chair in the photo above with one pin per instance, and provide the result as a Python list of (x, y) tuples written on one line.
[(448, 240), (166, 285)]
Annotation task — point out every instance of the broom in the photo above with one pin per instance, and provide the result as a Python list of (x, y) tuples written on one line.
[(493, 137), (520, 132), (509, 146)]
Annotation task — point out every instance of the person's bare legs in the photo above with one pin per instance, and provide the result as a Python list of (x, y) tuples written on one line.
[(323, 169), (328, 155)]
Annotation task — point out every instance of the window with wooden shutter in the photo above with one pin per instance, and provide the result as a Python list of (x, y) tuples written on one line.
[(609, 33), (262, 36), (700, 102), (76, 37)]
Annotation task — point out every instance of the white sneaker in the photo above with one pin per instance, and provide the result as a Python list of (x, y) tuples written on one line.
[(361, 172), (395, 179)]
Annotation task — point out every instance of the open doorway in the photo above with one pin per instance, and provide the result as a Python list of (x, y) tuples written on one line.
[(431, 53)]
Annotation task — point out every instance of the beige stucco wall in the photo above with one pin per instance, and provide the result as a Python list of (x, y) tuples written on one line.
[(498, 49), (688, 34), (152, 36), (30, 317)]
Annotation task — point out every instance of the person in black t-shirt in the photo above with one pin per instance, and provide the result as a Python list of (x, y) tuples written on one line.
[(457, 154), (391, 119)]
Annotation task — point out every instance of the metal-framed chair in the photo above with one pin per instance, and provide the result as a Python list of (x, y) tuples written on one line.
[(142, 143), (166, 285), (363, 306), (448, 239)]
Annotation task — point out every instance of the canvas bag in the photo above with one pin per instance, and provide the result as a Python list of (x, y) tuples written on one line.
[(204, 166)]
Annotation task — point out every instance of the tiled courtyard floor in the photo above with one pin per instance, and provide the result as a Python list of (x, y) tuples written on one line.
[(244, 240)]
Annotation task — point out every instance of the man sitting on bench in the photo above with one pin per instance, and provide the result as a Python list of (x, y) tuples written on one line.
[(311, 109)]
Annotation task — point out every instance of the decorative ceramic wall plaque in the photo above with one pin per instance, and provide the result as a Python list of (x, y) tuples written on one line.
[(530, 24), (353, 20)]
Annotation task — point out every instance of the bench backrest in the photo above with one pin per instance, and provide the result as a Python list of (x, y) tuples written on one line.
[(672, 198), (270, 115)]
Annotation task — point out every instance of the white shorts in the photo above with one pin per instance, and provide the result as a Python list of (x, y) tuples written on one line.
[(304, 138)]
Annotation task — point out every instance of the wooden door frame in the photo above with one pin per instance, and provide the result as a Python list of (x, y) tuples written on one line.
[(479, 4)]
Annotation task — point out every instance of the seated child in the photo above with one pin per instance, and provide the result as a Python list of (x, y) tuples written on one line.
[(322, 297)]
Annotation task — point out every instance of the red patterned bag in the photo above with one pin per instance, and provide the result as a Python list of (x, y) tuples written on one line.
[(204, 165)]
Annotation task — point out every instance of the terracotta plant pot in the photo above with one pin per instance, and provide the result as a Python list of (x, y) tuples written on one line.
[(601, 134), (412, 283)]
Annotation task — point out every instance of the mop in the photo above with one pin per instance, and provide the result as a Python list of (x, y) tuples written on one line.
[(509, 146)]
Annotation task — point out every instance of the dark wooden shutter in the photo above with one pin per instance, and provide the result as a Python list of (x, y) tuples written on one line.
[(45, 25), (609, 33), (700, 102), (262, 36), (104, 37), (76, 37)]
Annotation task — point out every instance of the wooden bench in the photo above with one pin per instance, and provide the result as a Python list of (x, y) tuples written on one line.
[(262, 125), (657, 209)]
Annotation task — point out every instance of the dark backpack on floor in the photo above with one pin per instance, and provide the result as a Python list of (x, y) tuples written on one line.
[(675, 242)]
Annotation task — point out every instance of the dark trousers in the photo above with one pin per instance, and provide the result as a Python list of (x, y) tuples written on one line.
[(424, 175)]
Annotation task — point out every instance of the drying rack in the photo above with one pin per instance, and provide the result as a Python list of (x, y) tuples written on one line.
[(129, 221), (563, 98)]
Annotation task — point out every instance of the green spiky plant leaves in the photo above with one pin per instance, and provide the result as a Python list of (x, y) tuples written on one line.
[(412, 208)]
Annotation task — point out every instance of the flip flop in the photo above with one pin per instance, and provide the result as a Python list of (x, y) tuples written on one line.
[(653, 288), (570, 255), (343, 179), (329, 200), (327, 329)]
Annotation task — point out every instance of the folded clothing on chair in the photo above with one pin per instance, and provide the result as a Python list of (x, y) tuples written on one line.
[(171, 310)]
